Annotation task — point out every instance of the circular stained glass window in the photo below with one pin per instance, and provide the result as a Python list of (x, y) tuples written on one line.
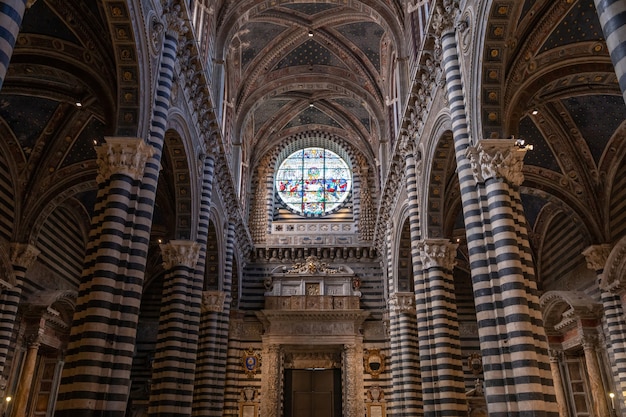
[(313, 181)]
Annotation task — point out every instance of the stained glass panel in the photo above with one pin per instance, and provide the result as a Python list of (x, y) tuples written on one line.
[(313, 181)]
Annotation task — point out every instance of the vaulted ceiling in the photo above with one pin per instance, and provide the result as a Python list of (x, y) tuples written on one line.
[(309, 66), (295, 66)]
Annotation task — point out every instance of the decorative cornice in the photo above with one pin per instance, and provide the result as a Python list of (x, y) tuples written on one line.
[(497, 159), (122, 155), (180, 252)]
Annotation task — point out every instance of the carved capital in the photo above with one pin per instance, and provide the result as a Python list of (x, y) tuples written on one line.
[(23, 254), (180, 252), (438, 252), (589, 341), (444, 19), (406, 146), (213, 301), (402, 303), (174, 21), (596, 256), (119, 155), (497, 158)]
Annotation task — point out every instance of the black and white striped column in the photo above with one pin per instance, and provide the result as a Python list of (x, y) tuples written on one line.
[(405, 369), (213, 346), (96, 375), (22, 257), (171, 392), (512, 339), (211, 300), (519, 344), (11, 14), (406, 398), (443, 384), (612, 14), (614, 316)]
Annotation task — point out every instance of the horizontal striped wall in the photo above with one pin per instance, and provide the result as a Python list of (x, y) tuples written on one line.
[(7, 198), (562, 249), (366, 267), (617, 205), (62, 245)]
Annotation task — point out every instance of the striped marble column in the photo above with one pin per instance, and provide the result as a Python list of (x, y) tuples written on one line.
[(405, 371), (11, 14), (520, 343), (171, 392), (406, 398), (212, 301), (614, 316), (612, 14), (96, 375), (213, 346), (513, 344), (22, 256), (443, 384)]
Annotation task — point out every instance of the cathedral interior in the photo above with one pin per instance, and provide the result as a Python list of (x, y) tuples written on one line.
[(312, 208)]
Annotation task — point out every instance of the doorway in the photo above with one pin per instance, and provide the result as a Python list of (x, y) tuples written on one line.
[(313, 392)]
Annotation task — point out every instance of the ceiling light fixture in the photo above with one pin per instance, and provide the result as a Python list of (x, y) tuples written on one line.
[(310, 33), (535, 112)]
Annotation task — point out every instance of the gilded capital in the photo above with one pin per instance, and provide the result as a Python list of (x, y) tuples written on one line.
[(438, 252), (497, 159), (122, 155), (180, 252)]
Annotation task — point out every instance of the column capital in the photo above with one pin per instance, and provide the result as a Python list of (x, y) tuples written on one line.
[(589, 341), (173, 15), (213, 301), (555, 355), (596, 256), (122, 155), (438, 252), (406, 146), (24, 254), (497, 158), (402, 302), (180, 252), (445, 15)]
